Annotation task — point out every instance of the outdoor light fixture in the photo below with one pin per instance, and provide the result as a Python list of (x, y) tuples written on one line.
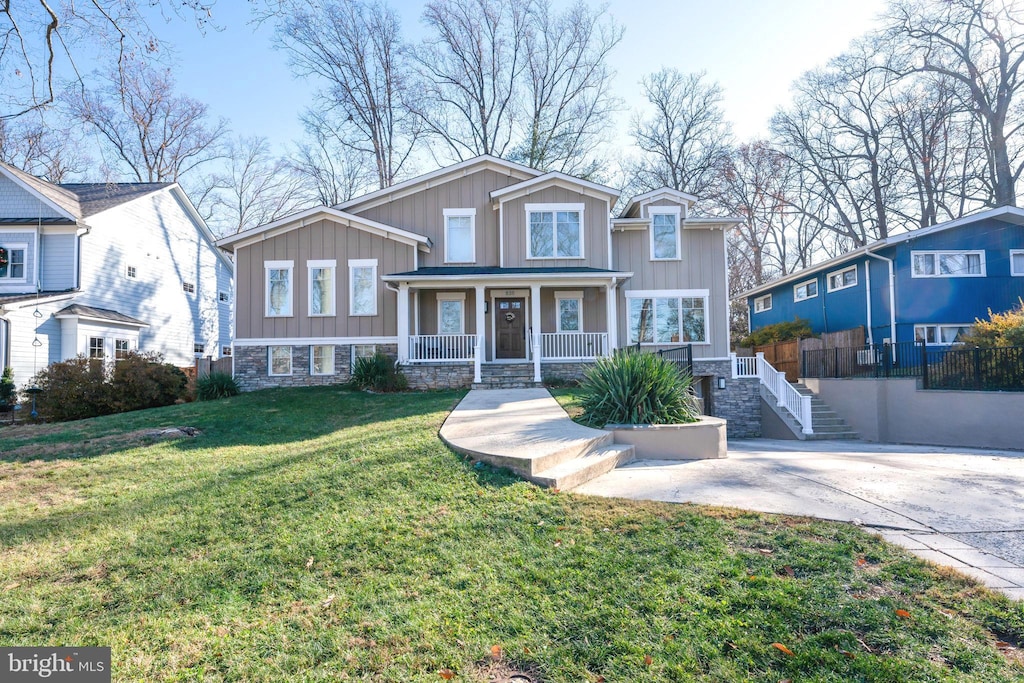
[(721, 383)]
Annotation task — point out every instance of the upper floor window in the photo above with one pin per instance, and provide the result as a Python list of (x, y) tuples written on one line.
[(224, 297), (664, 233), (569, 311), (841, 279), (451, 313), (278, 288), (763, 303), (12, 261), (805, 290), (667, 317), (1017, 262), (321, 287), (131, 272), (225, 350), (199, 349), (459, 235), (188, 287), (555, 230), (362, 294), (948, 263)]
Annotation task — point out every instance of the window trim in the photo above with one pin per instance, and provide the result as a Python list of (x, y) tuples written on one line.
[(131, 272), (797, 299), (554, 208), (452, 296), (270, 360), (198, 349), (828, 279), (20, 246), (1016, 252), (127, 348), (352, 354), (102, 348), (938, 334), (322, 264), (937, 253), (279, 265), (225, 352), (653, 211), (576, 296), (764, 309), (224, 297), (312, 358), (704, 294), (354, 263), (460, 213)]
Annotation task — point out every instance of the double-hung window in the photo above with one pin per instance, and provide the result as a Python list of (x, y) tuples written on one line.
[(321, 360), (948, 263), (459, 235), (120, 349), (665, 234), (554, 231), (96, 347), (362, 290), (841, 279), (13, 265), (278, 288), (805, 290), (668, 316), (1017, 262), (280, 360), (569, 311), (763, 303), (451, 313), (321, 287)]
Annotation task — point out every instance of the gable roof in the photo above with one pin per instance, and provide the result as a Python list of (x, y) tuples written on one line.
[(104, 314), (96, 197), (554, 178), (633, 206), (1008, 214), (60, 200), (441, 175), (298, 220)]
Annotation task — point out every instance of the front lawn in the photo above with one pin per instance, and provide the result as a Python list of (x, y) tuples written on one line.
[(324, 535)]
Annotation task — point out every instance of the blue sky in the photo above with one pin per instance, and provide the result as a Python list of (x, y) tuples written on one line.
[(754, 48)]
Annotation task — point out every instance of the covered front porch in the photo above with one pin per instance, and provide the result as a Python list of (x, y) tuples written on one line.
[(506, 317)]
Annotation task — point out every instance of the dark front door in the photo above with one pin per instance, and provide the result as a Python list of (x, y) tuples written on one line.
[(510, 324)]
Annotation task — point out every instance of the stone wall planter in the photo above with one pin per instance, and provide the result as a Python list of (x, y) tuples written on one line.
[(701, 440)]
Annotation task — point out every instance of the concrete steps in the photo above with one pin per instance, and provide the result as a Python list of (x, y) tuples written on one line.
[(826, 423), (579, 470)]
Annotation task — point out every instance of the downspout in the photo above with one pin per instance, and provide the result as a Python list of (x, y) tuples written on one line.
[(867, 298), (78, 266), (892, 295)]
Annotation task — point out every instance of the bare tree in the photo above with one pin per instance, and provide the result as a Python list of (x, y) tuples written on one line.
[(332, 172), (156, 135), (469, 68), (567, 85), (685, 139), (42, 147), (355, 47), (978, 44), (38, 39)]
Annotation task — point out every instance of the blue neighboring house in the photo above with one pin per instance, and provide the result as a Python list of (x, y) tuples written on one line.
[(941, 278)]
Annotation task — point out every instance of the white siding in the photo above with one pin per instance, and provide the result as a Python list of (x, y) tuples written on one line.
[(26, 359), (16, 202), (58, 262)]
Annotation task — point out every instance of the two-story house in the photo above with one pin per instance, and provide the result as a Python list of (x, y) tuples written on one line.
[(482, 273), (926, 285), (102, 269)]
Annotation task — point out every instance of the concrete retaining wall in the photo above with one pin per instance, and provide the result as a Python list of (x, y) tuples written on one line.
[(895, 410), (695, 441)]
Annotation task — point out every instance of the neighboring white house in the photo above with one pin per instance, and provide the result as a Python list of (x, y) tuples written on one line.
[(102, 268)]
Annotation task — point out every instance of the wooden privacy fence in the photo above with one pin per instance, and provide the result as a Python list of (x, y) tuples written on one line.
[(204, 366), (788, 356), (784, 357)]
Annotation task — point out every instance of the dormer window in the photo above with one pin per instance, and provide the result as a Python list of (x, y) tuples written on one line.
[(459, 235), (665, 233), (555, 231)]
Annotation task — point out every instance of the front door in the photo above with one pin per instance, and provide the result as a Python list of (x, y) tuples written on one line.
[(510, 326)]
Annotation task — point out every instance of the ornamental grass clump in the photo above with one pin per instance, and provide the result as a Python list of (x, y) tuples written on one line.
[(637, 388), (216, 385), (378, 373)]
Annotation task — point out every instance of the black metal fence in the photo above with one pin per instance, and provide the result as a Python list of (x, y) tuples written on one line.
[(939, 367), (681, 356)]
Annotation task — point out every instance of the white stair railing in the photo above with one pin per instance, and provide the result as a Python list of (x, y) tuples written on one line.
[(798, 405), (743, 366)]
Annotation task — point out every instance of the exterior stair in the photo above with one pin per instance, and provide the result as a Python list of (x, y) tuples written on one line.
[(506, 376), (826, 423)]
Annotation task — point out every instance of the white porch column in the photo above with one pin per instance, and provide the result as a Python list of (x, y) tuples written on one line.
[(481, 325), (403, 322), (612, 306), (535, 328)]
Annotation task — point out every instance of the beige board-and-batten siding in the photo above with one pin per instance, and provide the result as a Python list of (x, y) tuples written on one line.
[(324, 239), (595, 311), (423, 214), (595, 230)]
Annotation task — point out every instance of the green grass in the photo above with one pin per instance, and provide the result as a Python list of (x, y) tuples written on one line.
[(191, 560)]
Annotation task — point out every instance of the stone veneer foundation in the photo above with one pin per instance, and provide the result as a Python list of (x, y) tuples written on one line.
[(251, 367)]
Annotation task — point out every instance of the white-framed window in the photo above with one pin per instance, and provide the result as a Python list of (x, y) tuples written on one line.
[(569, 311), (225, 350), (362, 290), (198, 349), (224, 297), (321, 360), (940, 334), (451, 313), (460, 235), (188, 287), (131, 272), (1017, 262), (948, 263), (665, 242), (763, 303), (805, 290), (841, 279), (668, 316), (14, 269), (321, 287), (279, 360), (120, 349), (278, 276), (554, 231), (362, 351), (96, 347)]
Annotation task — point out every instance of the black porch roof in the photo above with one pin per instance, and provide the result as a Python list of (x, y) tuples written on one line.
[(442, 271)]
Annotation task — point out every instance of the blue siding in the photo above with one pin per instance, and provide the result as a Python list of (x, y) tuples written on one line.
[(827, 312)]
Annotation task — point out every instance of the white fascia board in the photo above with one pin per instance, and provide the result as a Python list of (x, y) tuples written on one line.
[(584, 187), (38, 195), (661, 192), (806, 272), (1010, 214)]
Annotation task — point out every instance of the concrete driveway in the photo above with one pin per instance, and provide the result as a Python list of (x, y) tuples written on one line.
[(959, 507)]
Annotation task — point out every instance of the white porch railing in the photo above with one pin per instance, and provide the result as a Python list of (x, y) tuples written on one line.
[(573, 345), (798, 405), (441, 347)]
